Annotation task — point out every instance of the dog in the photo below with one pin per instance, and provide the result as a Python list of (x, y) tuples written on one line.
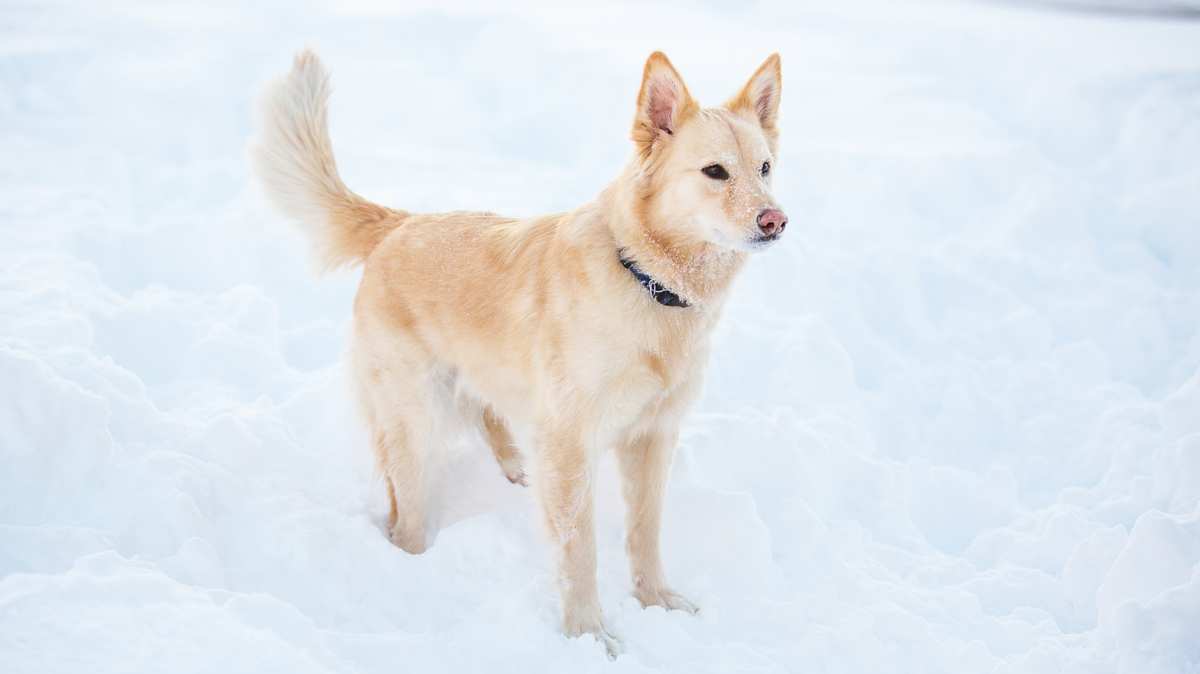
[(580, 331)]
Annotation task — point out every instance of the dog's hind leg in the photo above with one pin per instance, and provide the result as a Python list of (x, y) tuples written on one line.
[(402, 459), (405, 404), (507, 454)]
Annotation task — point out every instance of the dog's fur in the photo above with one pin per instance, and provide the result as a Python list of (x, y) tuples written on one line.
[(535, 323)]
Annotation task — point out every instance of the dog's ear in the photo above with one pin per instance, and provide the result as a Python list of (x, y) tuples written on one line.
[(663, 103), (760, 96)]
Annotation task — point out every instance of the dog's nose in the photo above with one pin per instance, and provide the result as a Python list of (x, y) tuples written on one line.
[(771, 221)]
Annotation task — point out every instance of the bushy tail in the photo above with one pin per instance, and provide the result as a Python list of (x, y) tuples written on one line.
[(294, 160)]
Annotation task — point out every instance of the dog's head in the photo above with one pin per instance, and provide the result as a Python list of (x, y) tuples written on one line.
[(707, 171)]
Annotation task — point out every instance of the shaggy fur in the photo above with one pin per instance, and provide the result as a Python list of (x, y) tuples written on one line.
[(533, 326)]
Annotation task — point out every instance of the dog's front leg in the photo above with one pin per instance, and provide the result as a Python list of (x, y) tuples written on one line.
[(564, 483), (645, 462)]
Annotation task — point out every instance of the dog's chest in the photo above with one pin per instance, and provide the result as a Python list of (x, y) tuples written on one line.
[(637, 377)]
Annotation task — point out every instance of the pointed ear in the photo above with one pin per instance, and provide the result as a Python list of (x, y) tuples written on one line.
[(662, 105), (760, 96)]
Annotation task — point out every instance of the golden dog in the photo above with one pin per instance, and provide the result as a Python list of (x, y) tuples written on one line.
[(579, 331)]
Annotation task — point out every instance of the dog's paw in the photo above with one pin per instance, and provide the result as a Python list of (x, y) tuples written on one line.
[(579, 623), (517, 476), (672, 601), (412, 542), (514, 470), (612, 645)]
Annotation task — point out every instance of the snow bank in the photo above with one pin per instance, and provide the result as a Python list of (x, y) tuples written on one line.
[(951, 425)]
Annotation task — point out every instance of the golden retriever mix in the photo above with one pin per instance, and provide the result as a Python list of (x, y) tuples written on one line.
[(577, 331)]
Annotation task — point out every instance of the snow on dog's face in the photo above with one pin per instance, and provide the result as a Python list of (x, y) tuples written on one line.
[(708, 171)]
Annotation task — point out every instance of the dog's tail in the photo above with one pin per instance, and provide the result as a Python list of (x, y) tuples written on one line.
[(294, 160)]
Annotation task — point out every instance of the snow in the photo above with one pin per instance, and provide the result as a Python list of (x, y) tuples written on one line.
[(952, 422)]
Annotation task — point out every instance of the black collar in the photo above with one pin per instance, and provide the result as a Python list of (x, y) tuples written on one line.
[(658, 291)]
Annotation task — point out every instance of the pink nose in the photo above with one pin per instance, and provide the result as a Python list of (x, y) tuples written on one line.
[(772, 221)]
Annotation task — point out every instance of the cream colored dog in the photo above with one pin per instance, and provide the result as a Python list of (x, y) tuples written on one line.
[(580, 331)]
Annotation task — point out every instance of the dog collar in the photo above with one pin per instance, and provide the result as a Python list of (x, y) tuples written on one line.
[(658, 291)]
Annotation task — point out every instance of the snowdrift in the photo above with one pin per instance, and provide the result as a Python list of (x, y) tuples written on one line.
[(952, 424)]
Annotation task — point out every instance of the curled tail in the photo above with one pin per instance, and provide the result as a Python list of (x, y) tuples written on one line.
[(294, 160)]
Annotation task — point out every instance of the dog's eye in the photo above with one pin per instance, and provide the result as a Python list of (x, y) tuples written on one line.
[(766, 168), (716, 172)]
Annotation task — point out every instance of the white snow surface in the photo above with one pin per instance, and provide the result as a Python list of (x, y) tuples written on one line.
[(951, 424)]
